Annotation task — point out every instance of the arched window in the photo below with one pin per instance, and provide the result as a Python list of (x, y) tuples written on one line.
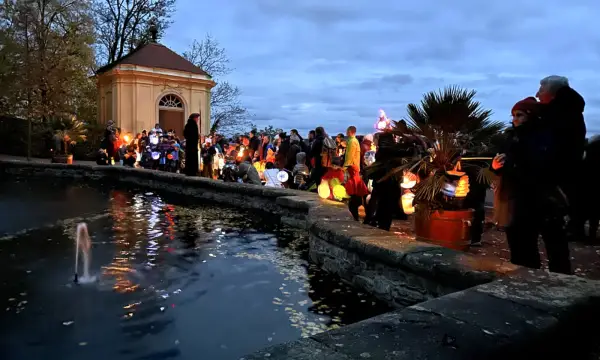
[(171, 102)]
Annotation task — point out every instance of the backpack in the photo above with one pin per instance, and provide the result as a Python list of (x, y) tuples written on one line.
[(328, 152)]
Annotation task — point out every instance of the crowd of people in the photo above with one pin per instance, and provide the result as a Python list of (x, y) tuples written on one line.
[(533, 196)]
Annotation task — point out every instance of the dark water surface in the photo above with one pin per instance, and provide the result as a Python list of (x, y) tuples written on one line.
[(175, 280)]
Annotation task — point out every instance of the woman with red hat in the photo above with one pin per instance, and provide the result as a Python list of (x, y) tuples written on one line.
[(528, 199)]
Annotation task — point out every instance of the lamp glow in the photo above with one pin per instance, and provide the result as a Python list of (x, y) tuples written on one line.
[(323, 190), (462, 188), (282, 176), (409, 180), (339, 192), (407, 202)]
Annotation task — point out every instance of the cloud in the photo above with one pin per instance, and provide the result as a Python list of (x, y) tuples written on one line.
[(334, 63)]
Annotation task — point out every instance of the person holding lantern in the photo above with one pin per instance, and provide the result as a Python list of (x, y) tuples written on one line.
[(531, 187)]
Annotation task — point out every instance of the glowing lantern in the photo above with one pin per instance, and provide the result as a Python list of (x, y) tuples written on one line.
[(456, 171), (339, 192), (324, 190), (449, 189), (462, 188), (259, 166), (407, 202), (241, 152), (370, 185), (282, 176), (126, 138), (409, 180)]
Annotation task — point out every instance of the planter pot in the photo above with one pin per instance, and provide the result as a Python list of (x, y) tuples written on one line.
[(63, 159), (451, 229)]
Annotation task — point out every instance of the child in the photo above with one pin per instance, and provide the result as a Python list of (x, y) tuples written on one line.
[(300, 171), (356, 188)]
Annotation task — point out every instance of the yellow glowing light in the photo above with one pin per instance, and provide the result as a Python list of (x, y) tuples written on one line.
[(373, 147), (339, 192), (323, 190), (462, 189), (241, 152), (126, 138), (407, 203), (370, 185)]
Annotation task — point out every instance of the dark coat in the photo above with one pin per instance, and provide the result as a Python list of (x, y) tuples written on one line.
[(191, 134), (564, 114), (530, 170)]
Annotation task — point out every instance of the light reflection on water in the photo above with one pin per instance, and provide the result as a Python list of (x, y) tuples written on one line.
[(174, 282)]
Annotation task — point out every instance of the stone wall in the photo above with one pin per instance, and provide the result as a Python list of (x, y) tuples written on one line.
[(467, 307)]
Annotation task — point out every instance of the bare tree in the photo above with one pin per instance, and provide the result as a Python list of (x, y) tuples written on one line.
[(228, 115), (122, 25)]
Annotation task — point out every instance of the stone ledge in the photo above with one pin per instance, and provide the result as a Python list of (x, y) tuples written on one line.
[(449, 267), (479, 323), (306, 349)]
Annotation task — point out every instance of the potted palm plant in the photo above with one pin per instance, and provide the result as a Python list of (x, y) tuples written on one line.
[(436, 179), (68, 134)]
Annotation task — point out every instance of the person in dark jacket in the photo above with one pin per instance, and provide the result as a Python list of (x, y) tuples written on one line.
[(292, 152), (314, 156), (475, 200), (248, 173), (254, 143), (282, 153), (538, 204), (386, 193), (192, 136), (564, 114), (589, 181)]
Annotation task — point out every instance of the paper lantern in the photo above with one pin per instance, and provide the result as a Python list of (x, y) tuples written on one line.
[(323, 190), (449, 189), (409, 180), (462, 188), (282, 176), (370, 185), (339, 192), (407, 202), (456, 171)]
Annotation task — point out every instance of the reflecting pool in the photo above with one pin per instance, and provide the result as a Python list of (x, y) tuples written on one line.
[(176, 280)]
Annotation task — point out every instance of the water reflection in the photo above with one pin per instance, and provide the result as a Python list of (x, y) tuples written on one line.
[(177, 281)]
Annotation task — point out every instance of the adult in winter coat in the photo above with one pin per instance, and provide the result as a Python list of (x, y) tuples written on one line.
[(315, 158), (191, 134), (564, 115), (538, 204)]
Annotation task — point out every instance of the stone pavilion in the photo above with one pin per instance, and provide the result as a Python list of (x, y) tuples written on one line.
[(150, 85)]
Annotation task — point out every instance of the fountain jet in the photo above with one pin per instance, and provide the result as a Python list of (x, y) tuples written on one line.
[(83, 243)]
